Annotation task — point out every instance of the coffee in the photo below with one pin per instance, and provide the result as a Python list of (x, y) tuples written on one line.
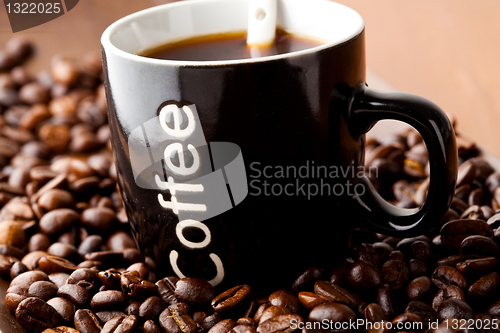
[(229, 46)]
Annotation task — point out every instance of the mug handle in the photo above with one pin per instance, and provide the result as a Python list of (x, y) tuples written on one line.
[(368, 106)]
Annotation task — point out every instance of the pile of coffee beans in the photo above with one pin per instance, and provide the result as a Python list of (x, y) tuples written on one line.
[(73, 266)]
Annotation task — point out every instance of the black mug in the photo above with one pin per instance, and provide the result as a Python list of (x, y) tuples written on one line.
[(250, 171)]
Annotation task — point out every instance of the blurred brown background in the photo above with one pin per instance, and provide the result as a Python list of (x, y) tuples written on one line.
[(446, 50)]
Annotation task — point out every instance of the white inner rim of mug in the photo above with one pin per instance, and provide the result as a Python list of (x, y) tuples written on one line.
[(321, 20)]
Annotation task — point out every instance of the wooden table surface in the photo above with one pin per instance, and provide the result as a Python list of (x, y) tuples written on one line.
[(446, 50)]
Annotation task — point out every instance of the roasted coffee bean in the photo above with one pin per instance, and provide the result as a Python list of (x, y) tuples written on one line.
[(151, 308), (479, 266), (223, 326), (397, 256), (395, 273), (418, 267), (74, 293), (60, 329), (25, 280), (270, 312), (236, 297), (454, 232), (43, 289), (406, 318), (99, 218), (307, 279), (135, 287), (333, 312), (424, 310), (34, 315), (444, 275), (485, 288), (445, 293), (90, 244), (194, 291), (58, 220), (17, 269), (334, 293), (55, 199), (86, 278), (62, 250), (121, 325), (140, 268), (286, 299), (279, 323), (243, 329), (111, 279), (454, 308), (480, 245), (53, 264), (64, 308), (59, 279), (105, 316), (12, 233), (419, 289), (368, 253), (86, 321), (175, 321), (166, 289), (364, 276), (150, 327), (374, 313), (385, 299), (309, 299), (340, 274), (108, 300)]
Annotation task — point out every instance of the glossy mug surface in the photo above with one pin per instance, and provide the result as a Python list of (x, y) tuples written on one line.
[(251, 170)]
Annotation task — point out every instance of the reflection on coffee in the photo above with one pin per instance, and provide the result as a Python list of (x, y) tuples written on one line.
[(230, 46)]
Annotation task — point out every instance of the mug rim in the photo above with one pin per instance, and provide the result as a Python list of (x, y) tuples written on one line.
[(108, 45)]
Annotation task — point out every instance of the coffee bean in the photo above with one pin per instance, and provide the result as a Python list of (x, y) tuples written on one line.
[(90, 244), (454, 308), (86, 321), (58, 220), (406, 318), (364, 276), (140, 268), (307, 279), (374, 313), (194, 291), (223, 326), (279, 323), (64, 308), (99, 218), (243, 329), (424, 310), (175, 321), (55, 199), (418, 267), (105, 316), (368, 253), (309, 300), (150, 327), (34, 315), (62, 250), (479, 266), (445, 293), (395, 273), (53, 264), (480, 245), (419, 289), (59, 279), (25, 280), (454, 232), (86, 278), (333, 312), (107, 300), (17, 269), (334, 293), (151, 307), (236, 297), (135, 287), (43, 289), (75, 294), (444, 275), (385, 299), (33, 93), (121, 324), (12, 233), (286, 299), (270, 312), (485, 288)]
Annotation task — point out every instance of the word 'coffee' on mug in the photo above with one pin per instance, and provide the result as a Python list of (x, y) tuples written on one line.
[(197, 180)]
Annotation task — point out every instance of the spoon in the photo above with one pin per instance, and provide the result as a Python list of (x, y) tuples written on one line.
[(261, 26)]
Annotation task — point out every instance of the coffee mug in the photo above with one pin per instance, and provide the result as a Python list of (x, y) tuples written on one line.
[(251, 170)]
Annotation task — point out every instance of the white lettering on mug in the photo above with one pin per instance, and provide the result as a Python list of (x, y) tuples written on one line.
[(173, 187), (181, 170), (193, 224), (178, 206), (173, 111), (174, 255)]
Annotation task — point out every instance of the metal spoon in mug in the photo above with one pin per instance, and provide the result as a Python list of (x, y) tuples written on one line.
[(261, 25)]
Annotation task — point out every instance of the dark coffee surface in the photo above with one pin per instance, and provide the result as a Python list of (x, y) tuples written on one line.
[(228, 47)]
